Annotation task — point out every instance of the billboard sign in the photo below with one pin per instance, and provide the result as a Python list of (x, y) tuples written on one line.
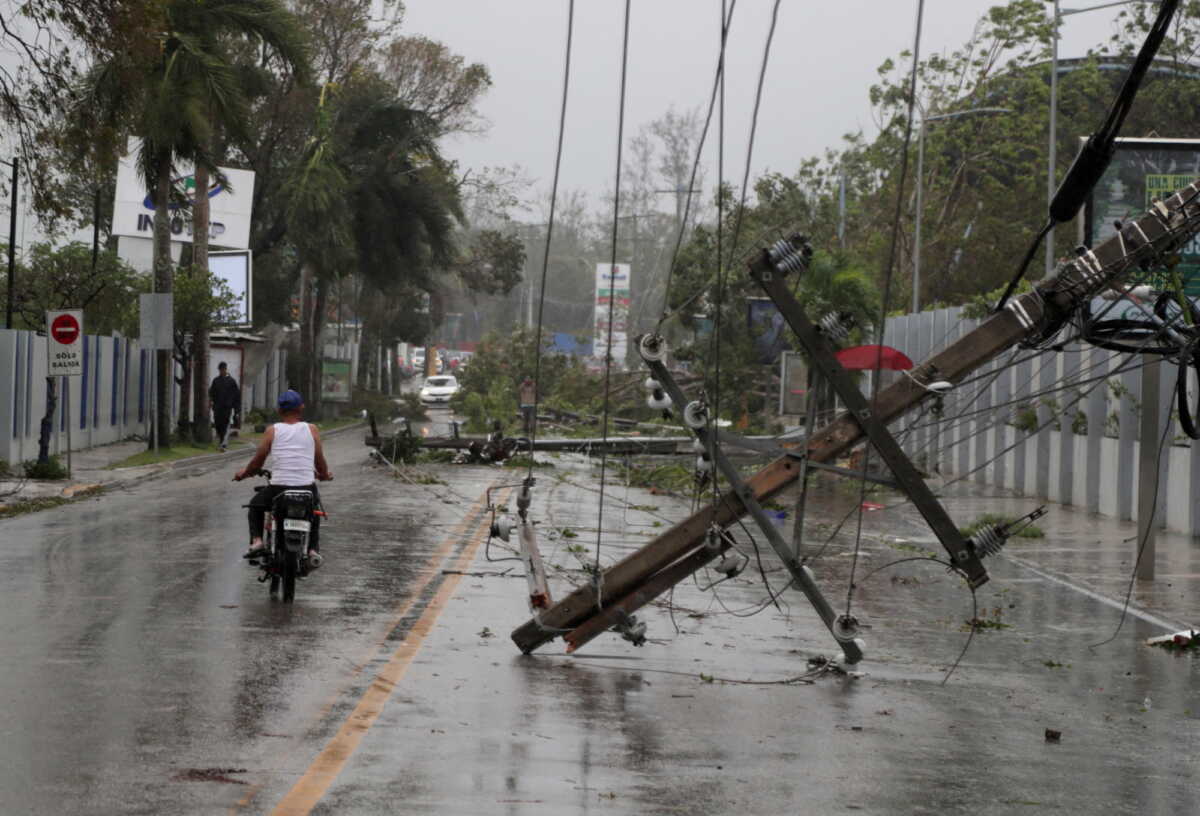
[(235, 269), (612, 301), (335, 380), (64, 343), (230, 204), (1141, 171)]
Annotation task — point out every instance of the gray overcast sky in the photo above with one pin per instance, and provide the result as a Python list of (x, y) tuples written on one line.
[(823, 61)]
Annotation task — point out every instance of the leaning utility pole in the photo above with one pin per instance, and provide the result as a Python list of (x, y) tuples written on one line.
[(1030, 318)]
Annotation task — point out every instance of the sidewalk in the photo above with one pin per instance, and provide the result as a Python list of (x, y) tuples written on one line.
[(1093, 555), (92, 469)]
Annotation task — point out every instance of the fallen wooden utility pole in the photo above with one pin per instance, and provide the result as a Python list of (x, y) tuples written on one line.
[(1032, 317)]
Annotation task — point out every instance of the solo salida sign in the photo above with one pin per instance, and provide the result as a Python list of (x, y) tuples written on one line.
[(64, 343)]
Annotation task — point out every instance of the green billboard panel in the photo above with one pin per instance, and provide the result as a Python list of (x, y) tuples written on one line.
[(1141, 171), (335, 380)]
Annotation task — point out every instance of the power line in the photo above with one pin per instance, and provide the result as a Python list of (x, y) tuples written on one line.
[(712, 101), (612, 299), (762, 75), (562, 121)]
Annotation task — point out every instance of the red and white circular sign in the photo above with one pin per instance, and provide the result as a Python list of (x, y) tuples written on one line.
[(65, 329)]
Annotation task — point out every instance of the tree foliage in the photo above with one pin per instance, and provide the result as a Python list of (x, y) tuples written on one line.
[(51, 278), (202, 302), (429, 77), (503, 361), (493, 263)]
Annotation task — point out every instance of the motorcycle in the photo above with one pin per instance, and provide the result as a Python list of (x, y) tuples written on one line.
[(287, 525)]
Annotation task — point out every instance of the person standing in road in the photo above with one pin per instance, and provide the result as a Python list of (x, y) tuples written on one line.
[(528, 399), (224, 401)]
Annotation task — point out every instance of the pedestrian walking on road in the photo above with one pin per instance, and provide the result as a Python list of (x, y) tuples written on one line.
[(528, 398), (224, 402)]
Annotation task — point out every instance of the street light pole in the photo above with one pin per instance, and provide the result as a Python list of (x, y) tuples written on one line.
[(842, 206), (526, 232), (916, 278), (1053, 153), (12, 246)]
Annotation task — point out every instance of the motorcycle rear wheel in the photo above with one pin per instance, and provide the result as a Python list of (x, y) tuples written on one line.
[(291, 567), (273, 558)]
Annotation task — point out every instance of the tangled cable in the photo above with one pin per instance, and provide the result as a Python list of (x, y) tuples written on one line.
[(1159, 333)]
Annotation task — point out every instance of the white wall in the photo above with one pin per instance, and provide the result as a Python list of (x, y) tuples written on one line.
[(977, 439)]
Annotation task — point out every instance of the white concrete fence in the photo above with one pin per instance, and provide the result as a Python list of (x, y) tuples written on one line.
[(1006, 426), (108, 403)]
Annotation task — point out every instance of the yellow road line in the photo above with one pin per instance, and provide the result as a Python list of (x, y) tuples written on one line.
[(311, 787)]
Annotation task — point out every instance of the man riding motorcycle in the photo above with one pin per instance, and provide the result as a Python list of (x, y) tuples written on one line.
[(297, 461)]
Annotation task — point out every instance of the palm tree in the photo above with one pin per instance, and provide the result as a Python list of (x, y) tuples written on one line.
[(274, 27), (174, 98), (371, 194)]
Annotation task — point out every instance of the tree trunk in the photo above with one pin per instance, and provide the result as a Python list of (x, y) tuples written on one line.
[(201, 426), (185, 386), (48, 420), (306, 326), (163, 283), (320, 299)]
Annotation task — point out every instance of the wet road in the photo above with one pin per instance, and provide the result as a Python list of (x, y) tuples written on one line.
[(673, 728), (140, 654), (146, 672)]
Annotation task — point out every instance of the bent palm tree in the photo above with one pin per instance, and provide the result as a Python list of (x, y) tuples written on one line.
[(371, 193)]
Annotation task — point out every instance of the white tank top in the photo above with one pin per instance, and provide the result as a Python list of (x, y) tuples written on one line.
[(291, 459)]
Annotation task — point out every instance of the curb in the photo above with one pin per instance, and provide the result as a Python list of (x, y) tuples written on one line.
[(180, 465), (71, 490)]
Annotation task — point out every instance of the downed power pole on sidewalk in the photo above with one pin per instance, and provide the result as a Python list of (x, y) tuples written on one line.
[(1028, 319)]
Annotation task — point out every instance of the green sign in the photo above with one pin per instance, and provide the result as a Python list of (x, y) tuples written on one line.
[(1141, 171), (335, 380)]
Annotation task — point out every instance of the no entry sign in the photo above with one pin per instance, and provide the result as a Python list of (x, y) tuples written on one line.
[(64, 343)]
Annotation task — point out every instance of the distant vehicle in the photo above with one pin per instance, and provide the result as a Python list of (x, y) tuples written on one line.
[(419, 363), (438, 390)]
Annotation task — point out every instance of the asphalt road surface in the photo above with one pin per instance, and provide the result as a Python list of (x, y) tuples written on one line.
[(145, 671)]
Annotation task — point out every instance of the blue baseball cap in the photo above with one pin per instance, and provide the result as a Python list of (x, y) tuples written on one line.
[(290, 400)]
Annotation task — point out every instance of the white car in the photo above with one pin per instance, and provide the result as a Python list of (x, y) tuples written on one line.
[(438, 389)]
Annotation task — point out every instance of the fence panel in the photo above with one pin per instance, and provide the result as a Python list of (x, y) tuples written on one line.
[(107, 403), (990, 420)]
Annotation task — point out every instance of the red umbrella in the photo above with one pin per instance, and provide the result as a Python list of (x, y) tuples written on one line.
[(863, 358)]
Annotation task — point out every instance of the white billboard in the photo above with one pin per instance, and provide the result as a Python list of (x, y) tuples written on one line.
[(229, 214), (612, 299), (236, 270)]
